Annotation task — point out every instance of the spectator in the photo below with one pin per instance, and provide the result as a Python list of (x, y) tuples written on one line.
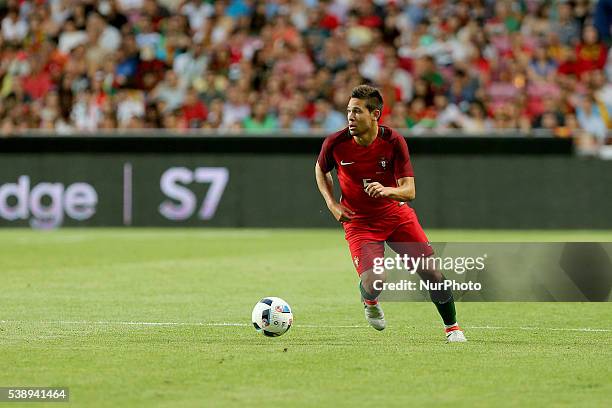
[(172, 120), (591, 118), (198, 13), (131, 104), (235, 109), (398, 117), (215, 114), (541, 67), (194, 110), (50, 110), (551, 114), (566, 26), (448, 114), (7, 127), (130, 5), (603, 88), (147, 37), (591, 53), (104, 35), (537, 23), (152, 118), (603, 20), (155, 12), (71, 37), (419, 115), (38, 82), (169, 92), (476, 120), (112, 14), (108, 122), (327, 118), (191, 65), (85, 114), (462, 88), (128, 58), (550, 121), (150, 69), (14, 28), (570, 127), (260, 120)]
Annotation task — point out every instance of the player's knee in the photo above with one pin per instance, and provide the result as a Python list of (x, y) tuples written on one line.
[(439, 295), (372, 282), (430, 275)]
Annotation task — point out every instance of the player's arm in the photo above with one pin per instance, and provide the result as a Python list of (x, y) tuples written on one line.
[(405, 190), (325, 182), (402, 169)]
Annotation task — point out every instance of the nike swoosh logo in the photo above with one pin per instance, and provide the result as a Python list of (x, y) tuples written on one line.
[(343, 163)]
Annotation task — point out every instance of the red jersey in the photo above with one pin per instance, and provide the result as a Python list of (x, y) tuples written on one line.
[(385, 160)]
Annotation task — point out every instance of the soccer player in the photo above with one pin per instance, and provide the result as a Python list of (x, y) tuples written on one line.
[(376, 180)]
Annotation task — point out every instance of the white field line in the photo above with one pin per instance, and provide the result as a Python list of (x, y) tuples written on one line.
[(529, 328), (205, 324), (314, 326)]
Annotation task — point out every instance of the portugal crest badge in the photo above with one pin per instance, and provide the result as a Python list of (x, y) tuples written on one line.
[(383, 163)]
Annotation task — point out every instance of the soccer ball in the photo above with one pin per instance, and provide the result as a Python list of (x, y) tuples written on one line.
[(272, 316)]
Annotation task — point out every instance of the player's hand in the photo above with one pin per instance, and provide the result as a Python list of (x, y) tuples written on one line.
[(340, 212), (377, 190)]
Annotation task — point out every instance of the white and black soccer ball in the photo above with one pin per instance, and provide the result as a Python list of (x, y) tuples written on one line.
[(272, 316)]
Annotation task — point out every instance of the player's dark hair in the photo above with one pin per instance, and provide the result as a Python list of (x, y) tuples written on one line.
[(371, 95)]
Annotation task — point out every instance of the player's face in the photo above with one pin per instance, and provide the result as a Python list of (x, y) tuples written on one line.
[(360, 119)]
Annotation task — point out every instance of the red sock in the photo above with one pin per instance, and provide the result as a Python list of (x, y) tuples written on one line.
[(452, 328)]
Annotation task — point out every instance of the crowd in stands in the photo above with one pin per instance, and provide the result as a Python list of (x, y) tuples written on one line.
[(245, 65)]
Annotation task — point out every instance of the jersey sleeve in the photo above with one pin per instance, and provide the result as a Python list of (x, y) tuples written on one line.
[(326, 157), (402, 165)]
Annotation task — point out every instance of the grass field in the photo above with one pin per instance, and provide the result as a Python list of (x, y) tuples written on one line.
[(161, 318)]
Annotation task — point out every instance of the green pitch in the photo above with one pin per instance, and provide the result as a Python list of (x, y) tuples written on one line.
[(161, 318)]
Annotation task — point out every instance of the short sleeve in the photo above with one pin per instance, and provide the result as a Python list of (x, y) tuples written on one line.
[(402, 166), (326, 157)]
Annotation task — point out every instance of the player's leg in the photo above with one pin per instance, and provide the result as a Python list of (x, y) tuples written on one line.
[(444, 302), (409, 238), (370, 278), (369, 286), (363, 252)]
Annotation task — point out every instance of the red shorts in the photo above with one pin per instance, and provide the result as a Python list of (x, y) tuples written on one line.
[(401, 231)]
